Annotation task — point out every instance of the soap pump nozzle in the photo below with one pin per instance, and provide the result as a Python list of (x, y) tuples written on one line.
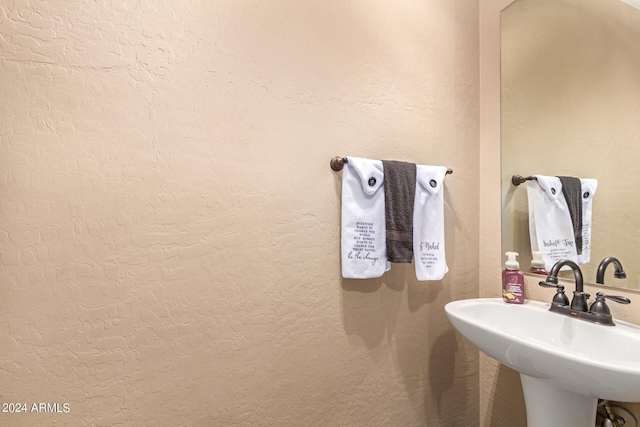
[(512, 263)]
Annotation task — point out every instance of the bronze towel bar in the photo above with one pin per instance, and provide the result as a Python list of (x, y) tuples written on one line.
[(519, 179), (337, 163)]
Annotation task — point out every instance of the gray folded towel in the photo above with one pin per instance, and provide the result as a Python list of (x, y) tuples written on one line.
[(572, 190), (399, 193)]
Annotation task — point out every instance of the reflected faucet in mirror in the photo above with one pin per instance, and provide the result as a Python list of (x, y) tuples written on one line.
[(618, 274), (598, 312)]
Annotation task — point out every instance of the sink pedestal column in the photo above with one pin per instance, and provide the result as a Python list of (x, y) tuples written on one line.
[(548, 405)]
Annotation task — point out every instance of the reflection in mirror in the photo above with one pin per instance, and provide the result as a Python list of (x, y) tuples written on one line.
[(634, 3), (570, 105)]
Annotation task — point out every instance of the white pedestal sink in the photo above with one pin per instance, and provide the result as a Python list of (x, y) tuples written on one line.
[(565, 364)]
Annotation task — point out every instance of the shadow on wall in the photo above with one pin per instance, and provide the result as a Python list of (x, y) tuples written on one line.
[(373, 308), (370, 307), (507, 406), (441, 372), (424, 346)]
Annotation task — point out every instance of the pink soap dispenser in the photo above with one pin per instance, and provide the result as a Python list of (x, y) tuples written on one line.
[(512, 280)]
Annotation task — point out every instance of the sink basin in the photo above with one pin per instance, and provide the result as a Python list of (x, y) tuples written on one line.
[(565, 364)]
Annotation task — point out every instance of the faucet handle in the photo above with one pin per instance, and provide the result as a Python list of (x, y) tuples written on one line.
[(550, 283), (617, 298), (559, 298), (600, 307)]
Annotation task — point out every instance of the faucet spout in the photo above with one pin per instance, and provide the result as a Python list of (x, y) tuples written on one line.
[(579, 301), (553, 274), (618, 274)]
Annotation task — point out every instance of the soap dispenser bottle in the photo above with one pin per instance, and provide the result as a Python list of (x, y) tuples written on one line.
[(537, 263), (512, 280)]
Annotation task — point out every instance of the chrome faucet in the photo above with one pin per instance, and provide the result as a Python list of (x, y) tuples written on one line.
[(618, 274), (598, 312)]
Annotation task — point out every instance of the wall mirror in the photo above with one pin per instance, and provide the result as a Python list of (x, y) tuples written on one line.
[(570, 105)]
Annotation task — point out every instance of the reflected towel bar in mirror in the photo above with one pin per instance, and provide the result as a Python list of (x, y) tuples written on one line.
[(519, 179), (337, 163)]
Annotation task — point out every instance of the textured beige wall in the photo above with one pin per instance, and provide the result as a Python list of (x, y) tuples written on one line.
[(500, 398), (169, 224)]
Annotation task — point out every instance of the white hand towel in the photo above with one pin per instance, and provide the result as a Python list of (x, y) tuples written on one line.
[(550, 227), (589, 187), (363, 240), (428, 223)]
